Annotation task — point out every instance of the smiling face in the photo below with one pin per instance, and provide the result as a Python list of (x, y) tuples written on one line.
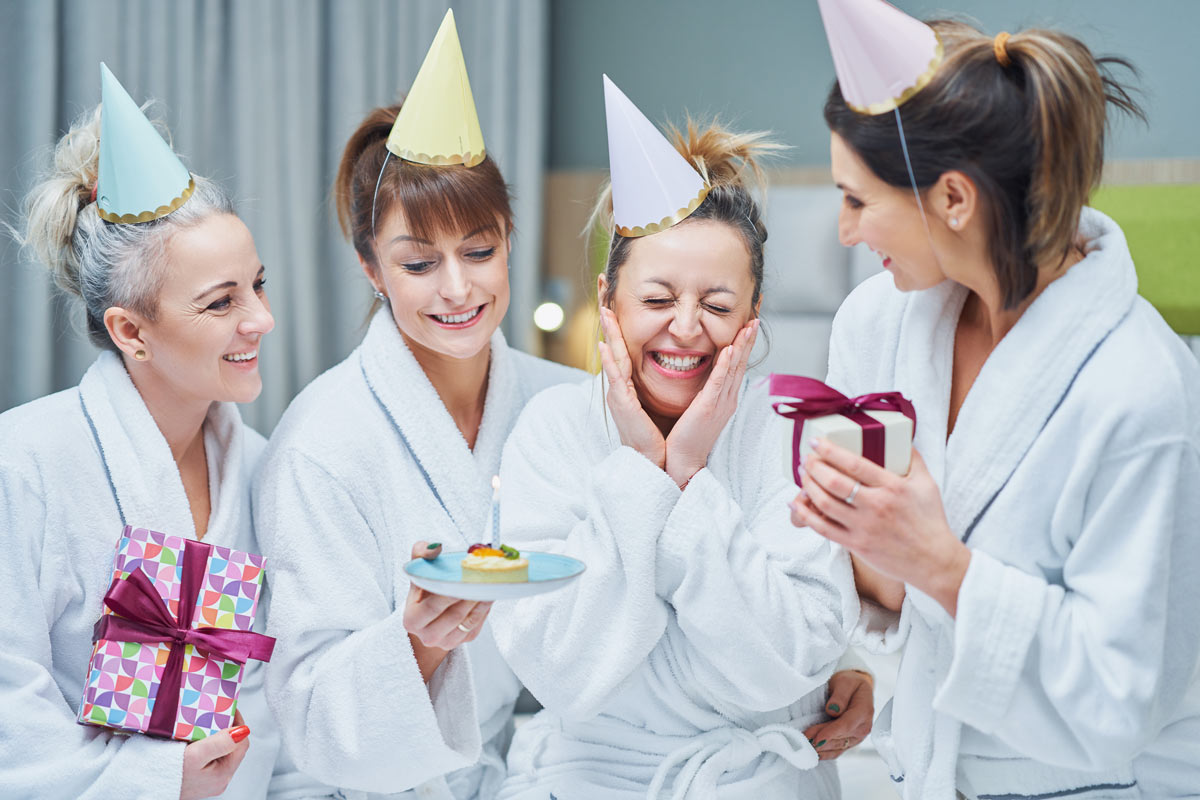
[(886, 217), (681, 296), (212, 312), (449, 293)]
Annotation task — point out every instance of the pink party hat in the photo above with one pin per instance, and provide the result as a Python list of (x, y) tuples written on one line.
[(882, 55), (653, 186)]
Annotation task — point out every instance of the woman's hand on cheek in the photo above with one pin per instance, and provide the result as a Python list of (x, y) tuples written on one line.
[(696, 432), (633, 423), (897, 525)]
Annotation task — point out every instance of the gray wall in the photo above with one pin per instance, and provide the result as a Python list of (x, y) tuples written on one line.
[(765, 64)]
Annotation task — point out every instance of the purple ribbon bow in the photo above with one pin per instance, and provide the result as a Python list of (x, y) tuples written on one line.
[(812, 399), (146, 618)]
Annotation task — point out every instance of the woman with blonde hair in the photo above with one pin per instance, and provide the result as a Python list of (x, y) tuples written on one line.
[(1038, 563), (693, 653), (172, 290)]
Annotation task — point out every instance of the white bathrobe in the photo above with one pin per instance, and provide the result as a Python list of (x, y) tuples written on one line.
[(691, 654), (365, 462), (75, 468), (1073, 476)]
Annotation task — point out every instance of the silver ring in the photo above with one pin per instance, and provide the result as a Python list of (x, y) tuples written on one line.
[(853, 493), (464, 628)]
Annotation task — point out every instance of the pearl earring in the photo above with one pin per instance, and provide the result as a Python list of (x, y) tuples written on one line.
[(954, 222)]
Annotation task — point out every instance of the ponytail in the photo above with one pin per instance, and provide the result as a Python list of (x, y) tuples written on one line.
[(1029, 133), (102, 264), (730, 163), (434, 199)]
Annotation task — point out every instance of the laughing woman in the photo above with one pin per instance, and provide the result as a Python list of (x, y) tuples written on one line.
[(693, 653), (374, 688), (151, 437), (1040, 559)]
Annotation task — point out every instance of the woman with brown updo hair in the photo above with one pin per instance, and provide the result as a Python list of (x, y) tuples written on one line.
[(1038, 563), (380, 687), (691, 659)]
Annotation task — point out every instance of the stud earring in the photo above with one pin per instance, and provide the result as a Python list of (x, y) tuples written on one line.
[(140, 355), (380, 296), (954, 222)]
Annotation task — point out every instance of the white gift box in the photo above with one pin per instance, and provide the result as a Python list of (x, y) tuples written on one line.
[(845, 432)]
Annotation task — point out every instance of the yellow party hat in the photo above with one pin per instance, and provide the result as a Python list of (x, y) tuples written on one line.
[(438, 123)]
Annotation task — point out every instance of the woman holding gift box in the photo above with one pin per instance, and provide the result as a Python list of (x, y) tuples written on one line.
[(379, 687), (1038, 563), (173, 290), (693, 654)]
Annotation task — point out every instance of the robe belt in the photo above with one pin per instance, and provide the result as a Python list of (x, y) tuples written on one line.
[(711, 754), (812, 399), (146, 617)]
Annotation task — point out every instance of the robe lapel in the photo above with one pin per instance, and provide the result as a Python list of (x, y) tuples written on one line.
[(1025, 378), (223, 442), (141, 470), (460, 480), (923, 367)]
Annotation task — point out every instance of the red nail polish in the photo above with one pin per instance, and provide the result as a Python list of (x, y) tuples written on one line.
[(239, 733)]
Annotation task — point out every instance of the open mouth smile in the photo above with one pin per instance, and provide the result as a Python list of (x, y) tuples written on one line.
[(464, 320), (679, 365)]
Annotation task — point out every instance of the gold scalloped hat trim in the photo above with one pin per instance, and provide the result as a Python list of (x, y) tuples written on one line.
[(881, 55), (140, 178), (438, 123), (884, 106), (147, 216), (665, 222), (653, 186), (466, 159)]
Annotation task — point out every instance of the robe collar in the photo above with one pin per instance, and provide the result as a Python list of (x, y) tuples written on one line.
[(141, 471), (458, 477), (1024, 379)]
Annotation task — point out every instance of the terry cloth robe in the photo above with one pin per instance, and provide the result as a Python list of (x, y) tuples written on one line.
[(75, 468), (1073, 475), (365, 462), (693, 651)]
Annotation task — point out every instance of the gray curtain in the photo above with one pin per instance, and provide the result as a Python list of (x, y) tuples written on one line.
[(260, 95)]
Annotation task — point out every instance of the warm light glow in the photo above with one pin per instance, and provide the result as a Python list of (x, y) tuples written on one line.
[(548, 316)]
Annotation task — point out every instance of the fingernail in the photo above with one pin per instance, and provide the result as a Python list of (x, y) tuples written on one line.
[(821, 742), (239, 733), (835, 708), (818, 443), (433, 546)]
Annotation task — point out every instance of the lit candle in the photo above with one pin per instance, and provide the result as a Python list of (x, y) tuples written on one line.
[(496, 512)]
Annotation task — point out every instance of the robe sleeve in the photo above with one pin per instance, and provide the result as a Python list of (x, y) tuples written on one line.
[(575, 647), (1085, 674), (344, 684), (766, 608), (44, 752)]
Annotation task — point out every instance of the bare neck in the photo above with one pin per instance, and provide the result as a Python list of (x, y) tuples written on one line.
[(461, 384), (179, 418), (984, 309)]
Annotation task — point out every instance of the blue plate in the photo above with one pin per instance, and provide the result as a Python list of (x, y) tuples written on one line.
[(443, 575)]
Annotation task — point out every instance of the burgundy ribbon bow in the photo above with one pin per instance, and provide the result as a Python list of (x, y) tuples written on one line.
[(146, 618), (815, 399)]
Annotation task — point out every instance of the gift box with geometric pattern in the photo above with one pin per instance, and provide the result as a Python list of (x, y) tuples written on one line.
[(173, 637)]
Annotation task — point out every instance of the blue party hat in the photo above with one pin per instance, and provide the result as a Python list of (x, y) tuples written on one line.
[(141, 178)]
